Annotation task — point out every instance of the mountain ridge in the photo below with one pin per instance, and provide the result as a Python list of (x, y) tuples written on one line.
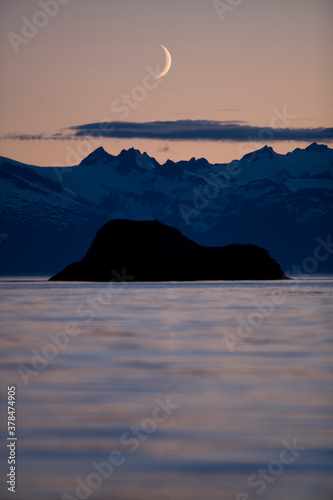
[(279, 202), (101, 151)]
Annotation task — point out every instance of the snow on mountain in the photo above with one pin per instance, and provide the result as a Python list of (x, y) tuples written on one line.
[(281, 202)]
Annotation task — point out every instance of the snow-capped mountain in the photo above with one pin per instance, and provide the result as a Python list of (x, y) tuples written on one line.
[(49, 215)]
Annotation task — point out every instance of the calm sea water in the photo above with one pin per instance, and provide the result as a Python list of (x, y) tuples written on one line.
[(184, 391)]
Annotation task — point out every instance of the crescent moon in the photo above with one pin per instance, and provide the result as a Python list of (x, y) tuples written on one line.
[(167, 63)]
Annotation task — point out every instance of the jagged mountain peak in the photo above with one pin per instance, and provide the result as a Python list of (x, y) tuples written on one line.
[(99, 155), (133, 158), (267, 152), (198, 161), (321, 148), (131, 152), (127, 158)]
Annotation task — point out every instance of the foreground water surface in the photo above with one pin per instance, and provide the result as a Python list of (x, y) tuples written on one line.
[(184, 391)]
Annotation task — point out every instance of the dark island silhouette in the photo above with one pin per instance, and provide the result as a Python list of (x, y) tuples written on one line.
[(152, 251)]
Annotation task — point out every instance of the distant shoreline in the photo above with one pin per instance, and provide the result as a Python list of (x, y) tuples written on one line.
[(45, 279)]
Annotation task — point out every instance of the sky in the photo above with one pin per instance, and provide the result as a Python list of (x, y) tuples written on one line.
[(80, 74)]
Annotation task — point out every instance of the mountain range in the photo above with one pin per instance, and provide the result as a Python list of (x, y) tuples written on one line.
[(283, 203)]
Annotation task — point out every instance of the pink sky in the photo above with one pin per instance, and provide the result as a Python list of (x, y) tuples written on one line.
[(246, 63)]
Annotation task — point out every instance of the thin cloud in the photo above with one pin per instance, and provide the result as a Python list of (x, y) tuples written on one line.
[(185, 130), (164, 149), (231, 110), (37, 137)]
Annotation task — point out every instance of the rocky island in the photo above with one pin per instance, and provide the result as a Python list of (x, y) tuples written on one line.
[(152, 251)]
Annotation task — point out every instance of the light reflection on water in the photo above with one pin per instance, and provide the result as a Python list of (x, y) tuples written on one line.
[(168, 340)]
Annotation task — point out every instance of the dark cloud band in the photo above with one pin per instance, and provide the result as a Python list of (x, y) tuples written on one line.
[(186, 130)]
